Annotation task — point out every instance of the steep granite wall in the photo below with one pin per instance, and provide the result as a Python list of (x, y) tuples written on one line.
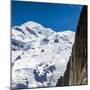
[(76, 72)]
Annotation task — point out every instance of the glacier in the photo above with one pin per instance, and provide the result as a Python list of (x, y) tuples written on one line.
[(39, 55)]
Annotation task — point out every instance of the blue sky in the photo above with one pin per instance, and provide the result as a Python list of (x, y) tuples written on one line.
[(59, 17)]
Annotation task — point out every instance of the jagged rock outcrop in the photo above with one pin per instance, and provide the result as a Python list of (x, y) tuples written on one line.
[(76, 72)]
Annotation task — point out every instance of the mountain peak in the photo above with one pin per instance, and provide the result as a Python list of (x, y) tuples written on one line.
[(32, 24), (36, 48)]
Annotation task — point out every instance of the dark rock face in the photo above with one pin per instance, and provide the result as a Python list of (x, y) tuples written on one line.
[(76, 72), (60, 81)]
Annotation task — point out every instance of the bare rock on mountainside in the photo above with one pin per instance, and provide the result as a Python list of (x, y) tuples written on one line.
[(76, 72)]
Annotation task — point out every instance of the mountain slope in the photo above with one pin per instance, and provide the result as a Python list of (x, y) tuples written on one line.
[(39, 55)]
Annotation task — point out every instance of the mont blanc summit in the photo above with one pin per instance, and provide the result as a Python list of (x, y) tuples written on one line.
[(39, 55)]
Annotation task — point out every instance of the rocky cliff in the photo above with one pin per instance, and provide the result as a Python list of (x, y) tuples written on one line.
[(76, 72)]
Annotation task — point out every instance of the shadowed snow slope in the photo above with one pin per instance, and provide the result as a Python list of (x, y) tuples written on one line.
[(39, 55)]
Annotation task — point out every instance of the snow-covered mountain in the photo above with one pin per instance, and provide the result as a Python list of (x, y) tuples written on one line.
[(39, 55)]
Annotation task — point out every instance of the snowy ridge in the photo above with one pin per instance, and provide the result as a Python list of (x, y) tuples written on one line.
[(39, 55)]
